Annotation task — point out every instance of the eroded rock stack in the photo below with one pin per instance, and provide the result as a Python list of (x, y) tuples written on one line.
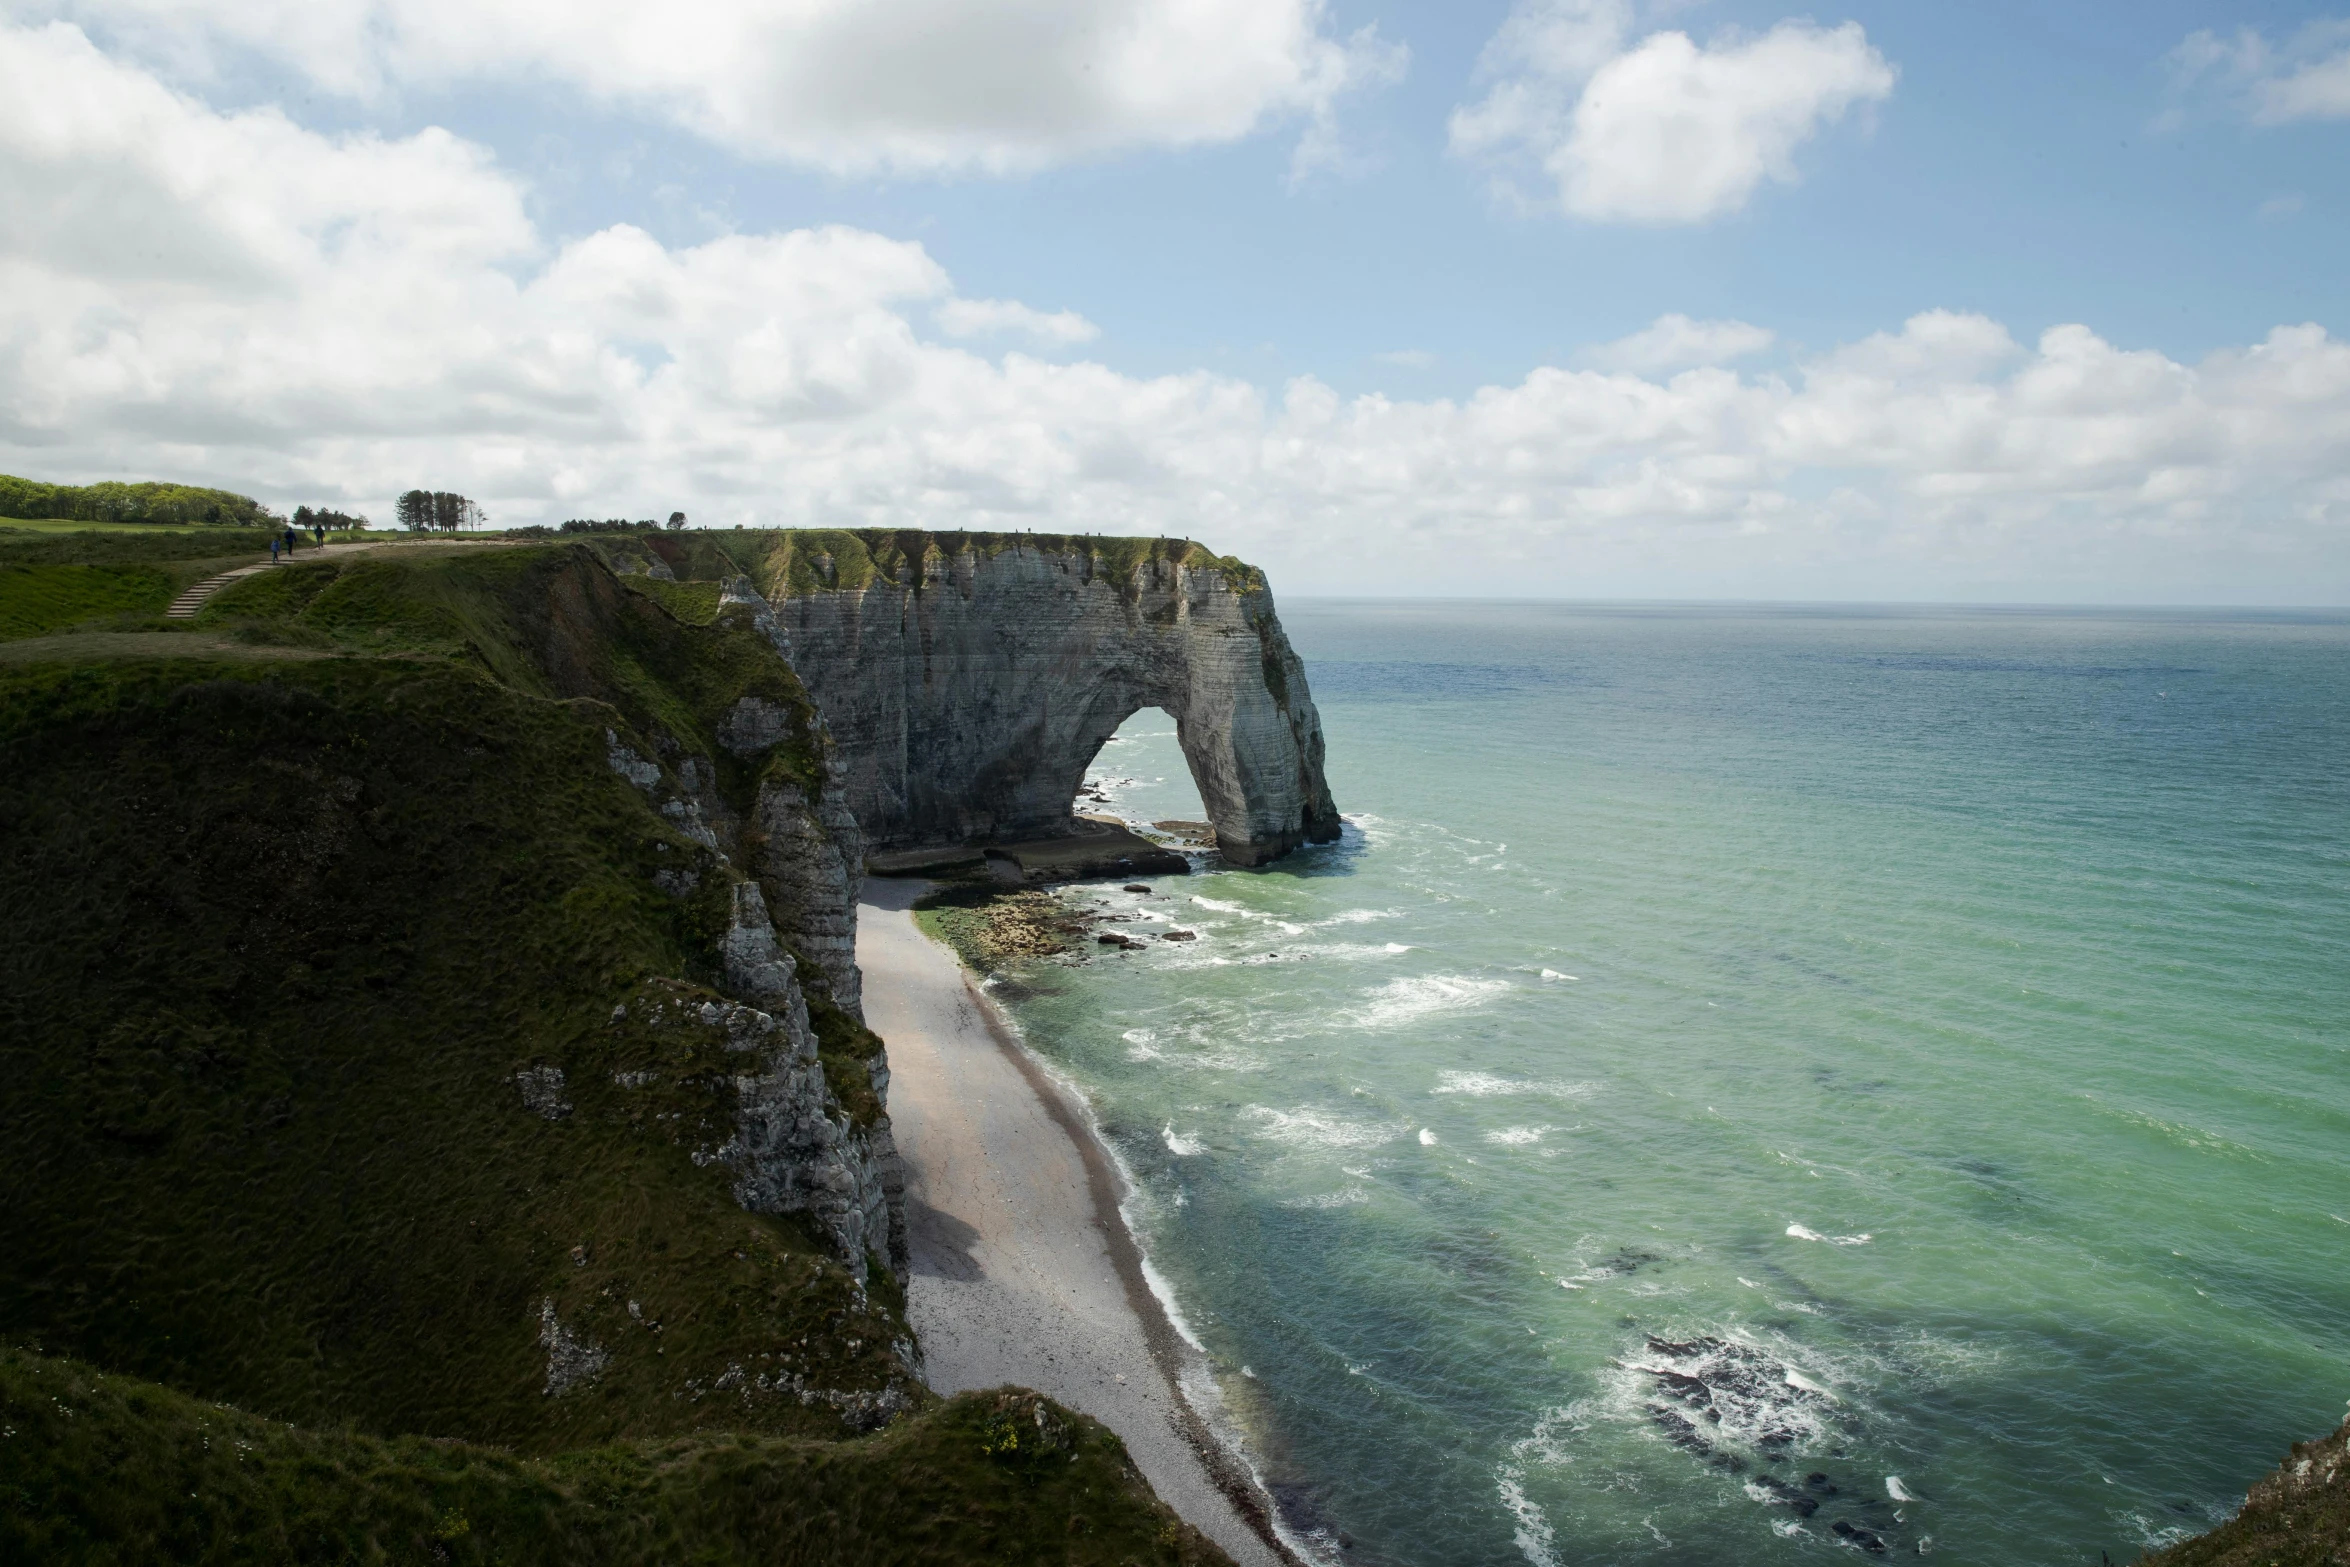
[(968, 680)]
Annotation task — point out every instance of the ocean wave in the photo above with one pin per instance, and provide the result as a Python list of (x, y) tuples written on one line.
[(1182, 1145), (1318, 1129), (1360, 916), (1402, 1001), (1485, 1085), (1346, 1197), (1803, 1233), (1516, 1136)]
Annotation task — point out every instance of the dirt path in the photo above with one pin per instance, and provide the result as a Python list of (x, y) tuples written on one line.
[(1023, 1270)]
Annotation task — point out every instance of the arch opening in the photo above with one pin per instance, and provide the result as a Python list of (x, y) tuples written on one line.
[(1141, 777)]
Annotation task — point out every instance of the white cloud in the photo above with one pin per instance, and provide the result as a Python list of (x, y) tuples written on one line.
[(1366, 63), (2307, 78), (1674, 342), (233, 299), (986, 317), (852, 86), (1663, 130)]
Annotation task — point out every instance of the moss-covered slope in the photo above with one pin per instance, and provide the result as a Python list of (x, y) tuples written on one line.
[(2297, 1517), (276, 943), (986, 1478)]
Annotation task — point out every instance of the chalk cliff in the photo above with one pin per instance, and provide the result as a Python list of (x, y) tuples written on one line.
[(967, 680)]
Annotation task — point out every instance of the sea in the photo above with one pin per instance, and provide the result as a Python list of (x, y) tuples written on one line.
[(1754, 1082)]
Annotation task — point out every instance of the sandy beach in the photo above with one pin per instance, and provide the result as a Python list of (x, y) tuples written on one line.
[(1023, 1271)]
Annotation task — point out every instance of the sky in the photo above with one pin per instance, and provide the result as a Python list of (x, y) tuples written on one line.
[(1578, 298)]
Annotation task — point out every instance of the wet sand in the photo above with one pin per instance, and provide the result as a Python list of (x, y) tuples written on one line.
[(1023, 1270)]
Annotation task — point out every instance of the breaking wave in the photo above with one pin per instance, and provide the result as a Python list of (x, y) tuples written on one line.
[(1485, 1085), (1402, 1001), (1317, 1129)]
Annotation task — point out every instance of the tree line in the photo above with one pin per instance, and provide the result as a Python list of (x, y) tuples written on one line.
[(114, 501), (427, 511)]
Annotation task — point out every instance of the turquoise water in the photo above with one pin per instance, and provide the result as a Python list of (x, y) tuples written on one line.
[(1731, 1046)]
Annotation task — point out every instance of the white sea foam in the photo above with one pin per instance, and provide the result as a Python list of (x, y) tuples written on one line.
[(1401, 1001), (1346, 1197), (1534, 1537), (1899, 1492), (1427, 1138), (1804, 1233), (1360, 916), (1551, 973), (1516, 1136), (1182, 1145), (1317, 1129), (1218, 906), (1785, 1528), (1485, 1085)]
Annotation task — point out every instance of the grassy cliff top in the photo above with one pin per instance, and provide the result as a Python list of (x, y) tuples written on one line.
[(790, 562)]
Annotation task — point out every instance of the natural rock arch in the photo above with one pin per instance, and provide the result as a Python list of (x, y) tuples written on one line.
[(969, 679)]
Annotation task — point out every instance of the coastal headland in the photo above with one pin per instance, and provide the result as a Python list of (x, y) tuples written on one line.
[(454, 947)]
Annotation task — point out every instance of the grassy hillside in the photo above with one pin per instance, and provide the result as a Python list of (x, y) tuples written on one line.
[(275, 942), (988, 1477), (106, 579)]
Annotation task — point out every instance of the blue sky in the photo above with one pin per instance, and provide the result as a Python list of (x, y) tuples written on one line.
[(1315, 299), (2038, 164)]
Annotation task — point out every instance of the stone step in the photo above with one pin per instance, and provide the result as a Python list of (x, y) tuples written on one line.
[(193, 598)]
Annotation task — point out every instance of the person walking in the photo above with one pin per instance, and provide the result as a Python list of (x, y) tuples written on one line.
[(273, 551)]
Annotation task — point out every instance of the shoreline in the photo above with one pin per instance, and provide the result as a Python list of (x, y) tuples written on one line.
[(1024, 1268)]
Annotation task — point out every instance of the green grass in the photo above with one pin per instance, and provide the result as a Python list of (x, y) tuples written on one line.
[(46, 525), (120, 578), (35, 600), (106, 1469)]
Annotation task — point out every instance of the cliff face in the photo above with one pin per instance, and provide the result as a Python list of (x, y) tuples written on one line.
[(967, 680)]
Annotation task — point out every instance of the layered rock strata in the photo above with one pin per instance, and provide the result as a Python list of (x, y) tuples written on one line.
[(968, 681)]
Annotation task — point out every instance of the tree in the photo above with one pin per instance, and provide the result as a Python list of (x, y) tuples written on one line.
[(676, 521), (442, 509)]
